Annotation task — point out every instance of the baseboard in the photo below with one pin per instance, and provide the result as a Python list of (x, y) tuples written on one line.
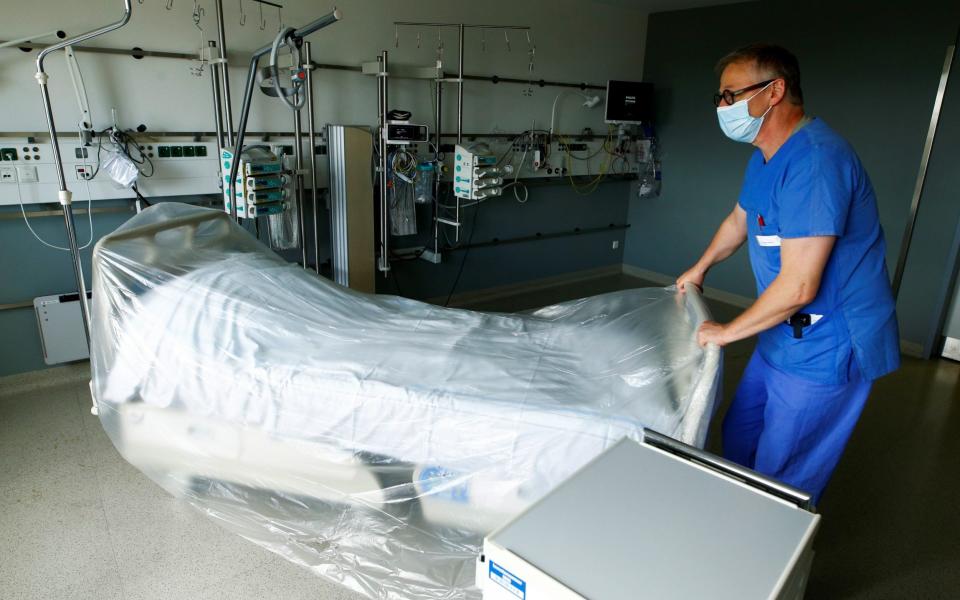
[(708, 292), (31, 381), (536, 285), (912, 349)]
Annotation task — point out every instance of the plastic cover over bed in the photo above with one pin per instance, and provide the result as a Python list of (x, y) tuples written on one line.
[(374, 439)]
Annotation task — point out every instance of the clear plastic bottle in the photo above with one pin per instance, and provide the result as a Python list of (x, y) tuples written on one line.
[(423, 183)]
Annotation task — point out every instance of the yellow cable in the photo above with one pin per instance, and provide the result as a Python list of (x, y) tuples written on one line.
[(592, 185)]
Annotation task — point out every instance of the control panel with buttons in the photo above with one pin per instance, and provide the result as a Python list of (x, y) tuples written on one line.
[(28, 173)]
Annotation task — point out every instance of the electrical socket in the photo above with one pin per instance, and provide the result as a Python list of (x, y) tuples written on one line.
[(84, 172), (8, 175)]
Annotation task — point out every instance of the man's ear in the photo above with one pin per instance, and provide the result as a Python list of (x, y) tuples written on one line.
[(778, 91)]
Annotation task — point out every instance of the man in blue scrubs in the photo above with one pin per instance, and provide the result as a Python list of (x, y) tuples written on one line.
[(825, 312)]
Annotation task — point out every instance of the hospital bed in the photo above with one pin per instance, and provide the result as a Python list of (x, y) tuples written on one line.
[(375, 439)]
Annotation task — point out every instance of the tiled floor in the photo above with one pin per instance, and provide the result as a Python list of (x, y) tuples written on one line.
[(76, 521)]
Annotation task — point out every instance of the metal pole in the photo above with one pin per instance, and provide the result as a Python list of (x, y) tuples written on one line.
[(384, 97), (311, 133), (436, 173), (459, 114), (298, 180), (225, 75), (64, 195), (922, 175), (460, 91), (217, 105)]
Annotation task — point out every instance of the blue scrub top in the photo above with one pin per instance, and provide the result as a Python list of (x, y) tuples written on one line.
[(815, 186)]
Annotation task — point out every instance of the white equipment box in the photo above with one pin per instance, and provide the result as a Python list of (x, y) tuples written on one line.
[(657, 519), (61, 328)]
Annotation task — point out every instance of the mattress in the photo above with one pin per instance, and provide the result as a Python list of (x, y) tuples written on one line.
[(208, 343)]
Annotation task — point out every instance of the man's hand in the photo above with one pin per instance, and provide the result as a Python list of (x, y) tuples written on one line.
[(711, 332), (694, 275)]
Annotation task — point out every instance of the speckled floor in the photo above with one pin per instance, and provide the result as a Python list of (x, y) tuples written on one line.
[(76, 521)]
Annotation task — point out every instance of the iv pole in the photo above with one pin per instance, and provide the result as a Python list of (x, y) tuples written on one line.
[(241, 131), (64, 195)]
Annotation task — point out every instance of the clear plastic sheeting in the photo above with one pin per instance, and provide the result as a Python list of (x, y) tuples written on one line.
[(284, 227), (374, 439)]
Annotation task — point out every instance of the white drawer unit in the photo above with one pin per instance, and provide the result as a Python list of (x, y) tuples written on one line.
[(657, 519), (61, 329)]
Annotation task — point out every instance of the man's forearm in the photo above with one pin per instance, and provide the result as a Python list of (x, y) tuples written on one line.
[(728, 239), (778, 303)]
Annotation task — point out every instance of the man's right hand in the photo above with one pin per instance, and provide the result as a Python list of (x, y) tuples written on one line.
[(694, 275)]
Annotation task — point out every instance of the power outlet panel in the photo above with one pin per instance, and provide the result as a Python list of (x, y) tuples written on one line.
[(181, 168)]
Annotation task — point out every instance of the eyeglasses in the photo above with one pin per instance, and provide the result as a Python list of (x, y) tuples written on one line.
[(729, 97)]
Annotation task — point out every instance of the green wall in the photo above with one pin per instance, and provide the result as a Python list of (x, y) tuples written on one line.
[(869, 69)]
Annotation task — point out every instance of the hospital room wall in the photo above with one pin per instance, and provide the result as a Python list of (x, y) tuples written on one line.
[(870, 70), (163, 95)]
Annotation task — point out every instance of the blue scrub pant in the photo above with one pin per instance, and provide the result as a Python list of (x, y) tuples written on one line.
[(790, 428)]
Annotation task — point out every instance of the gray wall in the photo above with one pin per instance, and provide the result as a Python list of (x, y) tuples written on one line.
[(550, 209), (869, 69)]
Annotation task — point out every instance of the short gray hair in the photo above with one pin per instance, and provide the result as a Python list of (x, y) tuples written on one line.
[(776, 60)]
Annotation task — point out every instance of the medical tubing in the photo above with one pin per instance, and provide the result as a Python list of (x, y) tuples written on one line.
[(299, 98)]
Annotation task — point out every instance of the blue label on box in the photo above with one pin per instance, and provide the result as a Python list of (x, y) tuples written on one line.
[(508, 581)]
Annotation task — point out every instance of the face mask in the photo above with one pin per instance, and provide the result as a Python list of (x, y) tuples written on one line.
[(737, 122)]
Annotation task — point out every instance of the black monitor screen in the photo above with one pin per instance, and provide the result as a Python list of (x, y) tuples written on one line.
[(629, 102)]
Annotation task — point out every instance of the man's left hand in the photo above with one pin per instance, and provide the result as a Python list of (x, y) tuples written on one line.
[(711, 332)]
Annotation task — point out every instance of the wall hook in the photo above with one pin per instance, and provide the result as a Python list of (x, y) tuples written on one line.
[(507, 38), (243, 15), (198, 13), (169, 5), (263, 22)]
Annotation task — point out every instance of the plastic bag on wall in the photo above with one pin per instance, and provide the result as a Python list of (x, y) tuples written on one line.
[(120, 169), (284, 227), (374, 439)]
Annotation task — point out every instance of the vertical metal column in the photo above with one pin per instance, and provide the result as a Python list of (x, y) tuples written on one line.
[(459, 116), (383, 101), (437, 166), (460, 92), (924, 163), (314, 195), (225, 79), (298, 181), (217, 105)]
